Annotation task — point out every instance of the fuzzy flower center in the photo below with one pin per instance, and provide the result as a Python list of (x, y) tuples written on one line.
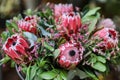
[(14, 43), (72, 53), (112, 34)]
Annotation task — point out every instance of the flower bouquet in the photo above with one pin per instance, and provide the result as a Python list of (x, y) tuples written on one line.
[(61, 42)]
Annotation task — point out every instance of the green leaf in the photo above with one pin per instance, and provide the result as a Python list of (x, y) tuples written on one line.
[(32, 43), (58, 78), (10, 29), (30, 36), (40, 14), (48, 25), (61, 41), (28, 73), (5, 35), (63, 74), (12, 64), (47, 13), (93, 60), (33, 71), (99, 66), (92, 20), (101, 59), (37, 78), (56, 53), (39, 71), (91, 27), (91, 74), (14, 26), (81, 74), (19, 16), (46, 45), (42, 63), (71, 74), (11, 25), (28, 12), (44, 32), (91, 12), (4, 60), (49, 74), (107, 54), (76, 72)]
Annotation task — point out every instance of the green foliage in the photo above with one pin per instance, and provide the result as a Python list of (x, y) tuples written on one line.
[(63, 74), (44, 32), (101, 59), (30, 36), (4, 60), (91, 17), (46, 14), (99, 66), (11, 26), (91, 12), (54, 74), (46, 45), (5, 35), (97, 62), (31, 72), (56, 53), (77, 72), (91, 74), (49, 74), (29, 12)]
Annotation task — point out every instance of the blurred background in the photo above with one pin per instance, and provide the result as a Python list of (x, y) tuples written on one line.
[(10, 8)]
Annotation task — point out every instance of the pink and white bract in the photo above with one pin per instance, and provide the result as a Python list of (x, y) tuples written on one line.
[(16, 47), (70, 55), (60, 9), (109, 37), (70, 23), (28, 24)]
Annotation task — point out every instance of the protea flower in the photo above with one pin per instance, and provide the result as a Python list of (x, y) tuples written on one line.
[(16, 47), (109, 37), (60, 9), (28, 24), (70, 55), (107, 23), (70, 23)]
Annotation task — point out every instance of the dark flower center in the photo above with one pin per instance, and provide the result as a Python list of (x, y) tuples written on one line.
[(71, 14), (110, 35), (14, 43), (72, 53)]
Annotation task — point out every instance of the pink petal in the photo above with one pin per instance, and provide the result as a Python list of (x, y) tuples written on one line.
[(21, 49), (13, 54), (23, 42)]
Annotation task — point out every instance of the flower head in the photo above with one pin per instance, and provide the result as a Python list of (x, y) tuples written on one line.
[(16, 47), (60, 9), (70, 23), (29, 24), (109, 37), (70, 55)]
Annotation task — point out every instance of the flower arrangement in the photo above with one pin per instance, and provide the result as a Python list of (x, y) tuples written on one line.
[(60, 43)]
